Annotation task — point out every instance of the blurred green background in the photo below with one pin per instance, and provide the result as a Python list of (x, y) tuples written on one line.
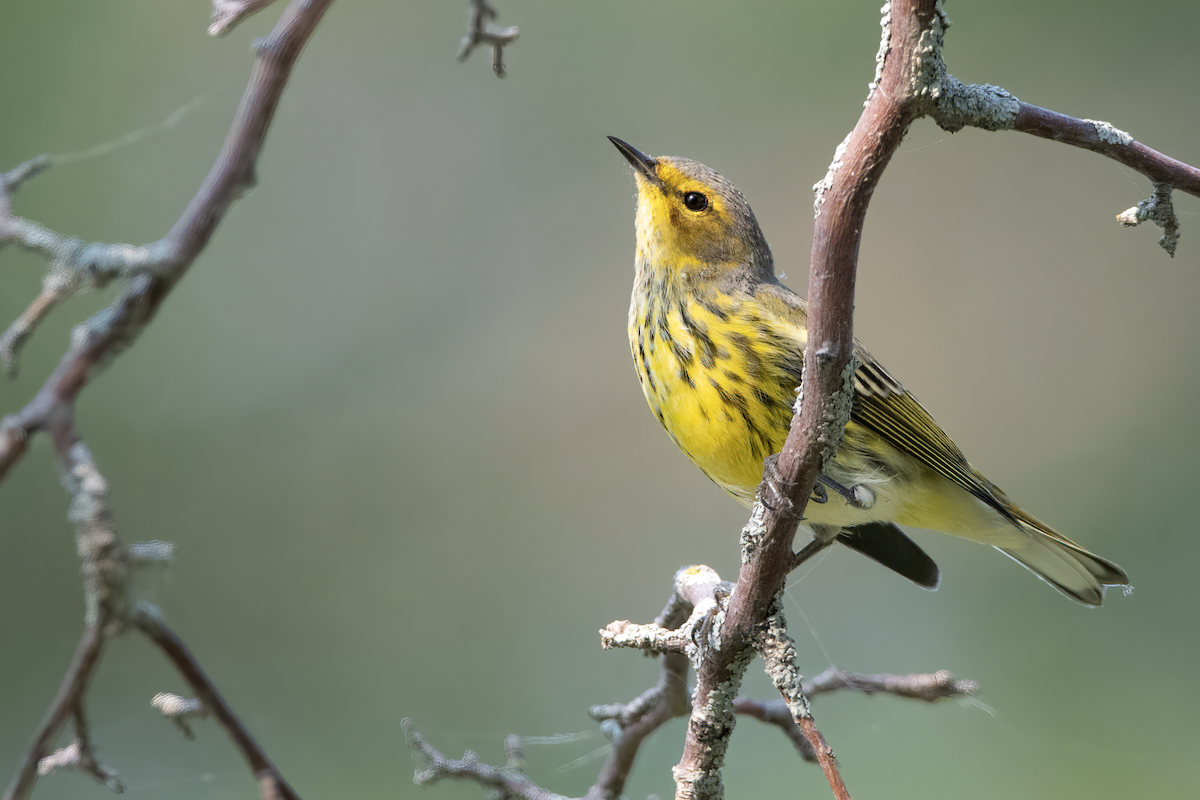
[(390, 422)]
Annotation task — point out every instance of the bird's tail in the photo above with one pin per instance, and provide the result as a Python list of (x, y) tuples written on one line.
[(1063, 564)]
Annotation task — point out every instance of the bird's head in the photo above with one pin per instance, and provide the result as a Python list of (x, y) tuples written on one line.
[(689, 218)]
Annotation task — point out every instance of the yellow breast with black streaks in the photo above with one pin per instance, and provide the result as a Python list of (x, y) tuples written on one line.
[(703, 366)]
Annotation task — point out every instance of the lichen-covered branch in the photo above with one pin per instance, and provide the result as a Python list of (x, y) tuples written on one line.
[(1159, 209), (778, 652), (954, 105)]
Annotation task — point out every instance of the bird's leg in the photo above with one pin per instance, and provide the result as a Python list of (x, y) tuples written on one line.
[(775, 496)]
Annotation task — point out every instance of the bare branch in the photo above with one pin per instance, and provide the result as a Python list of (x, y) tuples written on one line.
[(776, 713), (778, 652), (991, 108), (11, 181), (954, 105), (151, 270), (1102, 138), (269, 777), (436, 767), (62, 708), (228, 13), (928, 687), (104, 567), (627, 726), (694, 605), (479, 33), (825, 757)]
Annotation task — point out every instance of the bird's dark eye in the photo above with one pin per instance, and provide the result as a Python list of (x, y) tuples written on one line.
[(695, 201)]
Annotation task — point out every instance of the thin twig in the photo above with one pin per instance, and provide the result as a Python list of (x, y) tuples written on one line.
[(151, 270), (436, 766), (70, 692), (228, 13), (269, 777), (479, 33), (928, 687), (1102, 138), (825, 758), (666, 701)]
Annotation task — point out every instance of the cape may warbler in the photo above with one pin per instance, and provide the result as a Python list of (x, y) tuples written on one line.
[(718, 345)]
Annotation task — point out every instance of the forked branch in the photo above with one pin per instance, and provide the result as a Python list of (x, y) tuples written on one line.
[(683, 632), (149, 272)]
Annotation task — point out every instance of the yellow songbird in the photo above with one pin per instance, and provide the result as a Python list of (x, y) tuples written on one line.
[(718, 345)]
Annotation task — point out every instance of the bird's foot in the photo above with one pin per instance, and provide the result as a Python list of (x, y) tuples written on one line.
[(774, 490), (858, 496)]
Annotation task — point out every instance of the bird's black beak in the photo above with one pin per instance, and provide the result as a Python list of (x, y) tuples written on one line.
[(644, 164)]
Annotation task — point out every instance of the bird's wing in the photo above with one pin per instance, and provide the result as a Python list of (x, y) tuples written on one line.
[(885, 407), (882, 405)]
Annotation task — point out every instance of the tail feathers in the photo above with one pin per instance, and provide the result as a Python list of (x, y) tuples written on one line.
[(887, 544), (1066, 566)]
